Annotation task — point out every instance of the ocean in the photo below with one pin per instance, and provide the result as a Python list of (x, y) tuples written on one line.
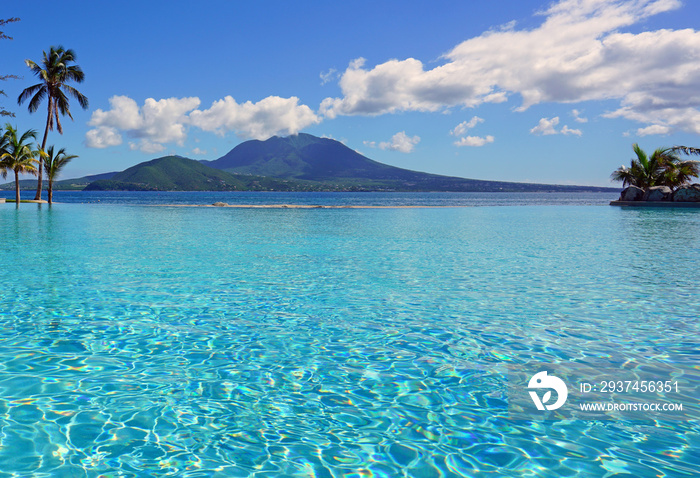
[(139, 338)]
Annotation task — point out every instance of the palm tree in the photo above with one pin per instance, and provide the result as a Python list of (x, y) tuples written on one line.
[(54, 72), (644, 171), (53, 164), (663, 168), (18, 156)]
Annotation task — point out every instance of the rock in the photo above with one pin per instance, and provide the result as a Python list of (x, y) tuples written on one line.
[(658, 193), (687, 194), (220, 204), (632, 193)]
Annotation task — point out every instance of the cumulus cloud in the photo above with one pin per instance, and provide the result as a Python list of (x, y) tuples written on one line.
[(124, 114), (199, 151), (578, 53), (159, 122), (154, 123), (103, 137), (547, 126), (474, 141), (399, 142), (268, 117)]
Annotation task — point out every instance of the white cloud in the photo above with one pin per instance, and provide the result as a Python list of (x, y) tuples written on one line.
[(155, 123), (577, 116), (400, 142), (159, 122), (567, 131), (103, 137), (146, 146), (464, 126), (164, 120), (681, 113), (546, 126), (199, 152), (653, 129), (268, 117), (578, 53), (474, 141), (124, 114)]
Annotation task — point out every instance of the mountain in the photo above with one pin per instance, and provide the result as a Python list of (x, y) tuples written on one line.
[(309, 158), (175, 173), (306, 157), (296, 163)]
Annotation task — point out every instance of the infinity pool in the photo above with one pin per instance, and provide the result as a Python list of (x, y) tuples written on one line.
[(212, 342)]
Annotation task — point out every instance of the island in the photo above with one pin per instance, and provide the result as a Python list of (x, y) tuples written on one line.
[(300, 162)]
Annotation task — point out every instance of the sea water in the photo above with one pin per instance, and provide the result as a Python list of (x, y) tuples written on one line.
[(141, 340)]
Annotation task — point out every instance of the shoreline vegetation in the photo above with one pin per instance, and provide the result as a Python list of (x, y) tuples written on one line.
[(661, 179)]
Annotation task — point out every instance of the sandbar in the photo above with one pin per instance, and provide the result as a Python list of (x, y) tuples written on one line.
[(301, 206)]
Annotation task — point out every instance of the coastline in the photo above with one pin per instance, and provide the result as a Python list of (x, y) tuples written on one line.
[(35, 201)]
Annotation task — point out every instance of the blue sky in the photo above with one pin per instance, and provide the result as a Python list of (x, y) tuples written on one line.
[(551, 92)]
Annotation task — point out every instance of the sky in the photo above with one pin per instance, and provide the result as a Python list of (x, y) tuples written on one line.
[(530, 91)]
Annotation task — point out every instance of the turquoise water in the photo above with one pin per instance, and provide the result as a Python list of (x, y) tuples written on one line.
[(197, 342)]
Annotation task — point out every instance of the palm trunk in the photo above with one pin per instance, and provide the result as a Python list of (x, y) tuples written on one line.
[(50, 190), (17, 187), (37, 197)]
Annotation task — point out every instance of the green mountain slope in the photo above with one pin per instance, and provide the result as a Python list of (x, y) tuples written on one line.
[(309, 158), (175, 173)]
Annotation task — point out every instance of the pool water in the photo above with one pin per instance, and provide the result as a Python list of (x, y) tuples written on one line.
[(213, 342)]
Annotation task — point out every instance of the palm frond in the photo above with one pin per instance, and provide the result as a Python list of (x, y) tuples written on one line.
[(623, 174), (74, 73), (639, 152), (29, 134), (54, 163), (687, 150), (37, 99), (82, 99), (29, 92), (36, 69)]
